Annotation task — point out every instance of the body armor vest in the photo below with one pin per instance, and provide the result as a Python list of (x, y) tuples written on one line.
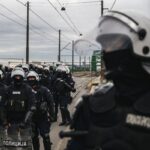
[(112, 126), (17, 100)]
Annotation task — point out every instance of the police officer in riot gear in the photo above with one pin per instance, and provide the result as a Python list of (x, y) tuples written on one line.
[(3, 89), (46, 78), (63, 86), (19, 100), (117, 116), (44, 114)]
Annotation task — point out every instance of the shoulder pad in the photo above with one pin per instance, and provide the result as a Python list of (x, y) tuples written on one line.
[(26, 86), (79, 102), (33, 91), (104, 88), (143, 104), (3, 86), (44, 88), (103, 99)]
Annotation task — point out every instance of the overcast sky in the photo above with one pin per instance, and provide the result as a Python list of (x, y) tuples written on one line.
[(44, 35)]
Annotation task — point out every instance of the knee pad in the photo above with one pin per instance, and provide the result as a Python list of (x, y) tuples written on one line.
[(62, 108)]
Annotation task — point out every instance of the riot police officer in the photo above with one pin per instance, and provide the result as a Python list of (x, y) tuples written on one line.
[(19, 100), (3, 89), (46, 78), (116, 117), (44, 114), (62, 87)]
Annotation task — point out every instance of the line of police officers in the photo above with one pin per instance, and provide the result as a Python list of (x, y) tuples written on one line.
[(117, 115), (26, 97)]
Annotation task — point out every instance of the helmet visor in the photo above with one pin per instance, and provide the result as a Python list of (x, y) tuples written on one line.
[(114, 42)]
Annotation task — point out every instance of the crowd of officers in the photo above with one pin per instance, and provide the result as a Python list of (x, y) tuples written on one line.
[(32, 95)]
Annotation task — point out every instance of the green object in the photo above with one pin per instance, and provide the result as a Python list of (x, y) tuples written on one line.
[(96, 60), (93, 63)]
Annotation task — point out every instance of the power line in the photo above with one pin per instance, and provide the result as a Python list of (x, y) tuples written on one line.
[(12, 20), (113, 4), (69, 18), (72, 22), (21, 2), (12, 12), (51, 27), (43, 20), (40, 19), (42, 35), (46, 22), (20, 24), (82, 2), (62, 16), (59, 3), (22, 19)]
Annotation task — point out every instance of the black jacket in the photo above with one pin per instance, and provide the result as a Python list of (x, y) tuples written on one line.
[(45, 104), (18, 101), (111, 125)]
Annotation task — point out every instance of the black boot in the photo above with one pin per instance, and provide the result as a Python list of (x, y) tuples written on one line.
[(46, 142), (68, 118), (35, 142), (56, 113), (63, 115), (62, 124)]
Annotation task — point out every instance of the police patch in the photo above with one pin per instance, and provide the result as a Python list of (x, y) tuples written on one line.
[(137, 120), (16, 92)]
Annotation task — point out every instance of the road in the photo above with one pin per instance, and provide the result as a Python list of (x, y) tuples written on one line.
[(59, 144)]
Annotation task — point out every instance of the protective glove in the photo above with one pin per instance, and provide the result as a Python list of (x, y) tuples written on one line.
[(73, 90), (22, 125), (6, 125)]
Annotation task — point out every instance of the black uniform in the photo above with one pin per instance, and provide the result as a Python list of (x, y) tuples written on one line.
[(116, 117), (3, 89), (111, 124), (46, 80), (19, 100), (42, 117), (63, 85)]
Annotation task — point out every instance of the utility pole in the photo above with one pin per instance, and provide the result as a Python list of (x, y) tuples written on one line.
[(102, 62), (27, 35), (80, 61), (59, 47), (72, 55), (102, 7)]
